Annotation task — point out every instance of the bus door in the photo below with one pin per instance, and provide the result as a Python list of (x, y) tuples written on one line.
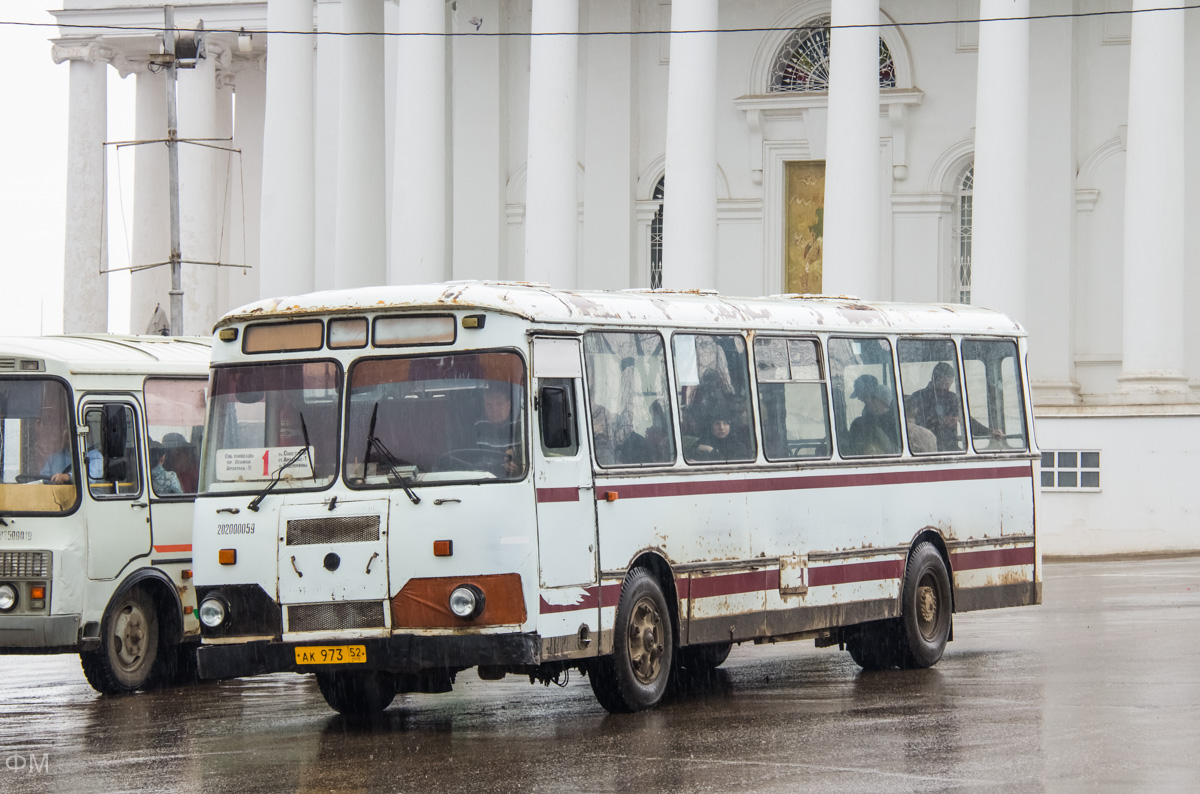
[(118, 516), (566, 505)]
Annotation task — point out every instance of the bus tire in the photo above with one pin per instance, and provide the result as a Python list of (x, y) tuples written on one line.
[(925, 611), (358, 693), (635, 676), (129, 646), (704, 658), (875, 646)]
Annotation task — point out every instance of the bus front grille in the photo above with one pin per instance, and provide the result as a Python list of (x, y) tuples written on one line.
[(25, 564), (335, 616), (347, 529)]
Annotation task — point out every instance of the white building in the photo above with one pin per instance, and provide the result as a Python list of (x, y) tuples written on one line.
[(1045, 167)]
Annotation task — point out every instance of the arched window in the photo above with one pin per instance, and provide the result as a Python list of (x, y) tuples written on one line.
[(961, 260), (803, 61), (656, 237)]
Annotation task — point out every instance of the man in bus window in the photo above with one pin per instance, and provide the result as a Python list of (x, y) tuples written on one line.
[(938, 407), (497, 432), (875, 432)]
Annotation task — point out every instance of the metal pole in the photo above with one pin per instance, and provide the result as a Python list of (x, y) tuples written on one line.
[(176, 292)]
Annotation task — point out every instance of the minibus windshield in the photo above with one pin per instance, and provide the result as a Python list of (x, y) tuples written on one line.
[(38, 470)]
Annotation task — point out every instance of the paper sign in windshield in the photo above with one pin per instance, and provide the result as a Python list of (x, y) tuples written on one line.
[(261, 463)]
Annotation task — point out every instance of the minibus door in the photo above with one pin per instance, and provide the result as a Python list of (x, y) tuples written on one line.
[(117, 504), (566, 503)]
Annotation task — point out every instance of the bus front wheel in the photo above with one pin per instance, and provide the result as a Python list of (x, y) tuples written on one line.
[(635, 676), (358, 693), (129, 646)]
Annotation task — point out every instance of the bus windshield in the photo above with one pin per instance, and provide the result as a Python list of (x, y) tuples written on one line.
[(37, 466), (444, 418), (272, 420)]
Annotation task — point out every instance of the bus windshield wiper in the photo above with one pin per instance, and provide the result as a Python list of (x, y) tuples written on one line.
[(373, 443), (256, 501)]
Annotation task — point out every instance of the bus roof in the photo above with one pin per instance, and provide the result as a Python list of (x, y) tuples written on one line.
[(109, 353), (693, 308)]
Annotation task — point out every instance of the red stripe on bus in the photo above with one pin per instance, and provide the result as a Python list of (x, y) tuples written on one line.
[(706, 487), (557, 495), (992, 558), (180, 547), (853, 572)]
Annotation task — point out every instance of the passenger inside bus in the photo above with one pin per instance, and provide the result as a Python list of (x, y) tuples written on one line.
[(718, 442), (617, 443), (498, 433), (938, 407), (182, 461), (165, 481), (876, 431)]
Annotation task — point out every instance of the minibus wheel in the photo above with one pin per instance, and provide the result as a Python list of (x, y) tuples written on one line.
[(129, 646), (635, 676), (926, 608), (357, 693)]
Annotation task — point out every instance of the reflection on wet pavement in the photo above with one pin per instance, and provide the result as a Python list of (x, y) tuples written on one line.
[(1099, 687)]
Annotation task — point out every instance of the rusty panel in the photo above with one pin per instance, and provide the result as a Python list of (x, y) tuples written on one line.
[(424, 603)]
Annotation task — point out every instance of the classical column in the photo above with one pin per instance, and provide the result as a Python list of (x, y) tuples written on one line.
[(151, 217), (551, 193), (851, 244), (1152, 339), (1051, 308), (611, 150), (359, 243), (480, 143), (241, 285), (690, 206), (999, 248), (288, 216), (201, 190), (418, 253), (85, 289)]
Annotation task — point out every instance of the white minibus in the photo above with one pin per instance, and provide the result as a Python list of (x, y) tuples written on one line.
[(99, 463), (402, 483)]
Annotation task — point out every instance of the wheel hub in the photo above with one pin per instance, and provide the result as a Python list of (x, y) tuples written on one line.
[(129, 637), (927, 609), (645, 641)]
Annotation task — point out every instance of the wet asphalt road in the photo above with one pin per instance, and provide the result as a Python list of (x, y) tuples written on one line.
[(1097, 688)]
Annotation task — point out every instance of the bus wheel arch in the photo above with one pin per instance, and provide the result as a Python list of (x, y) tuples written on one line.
[(932, 536), (926, 607), (139, 632)]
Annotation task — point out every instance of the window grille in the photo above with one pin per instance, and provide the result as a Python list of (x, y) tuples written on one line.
[(803, 61), (1071, 470), (961, 260), (656, 237)]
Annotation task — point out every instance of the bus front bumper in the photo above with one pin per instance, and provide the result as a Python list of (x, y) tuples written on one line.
[(39, 633), (401, 653)]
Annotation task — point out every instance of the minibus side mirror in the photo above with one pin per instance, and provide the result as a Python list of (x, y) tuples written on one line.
[(554, 416), (112, 432)]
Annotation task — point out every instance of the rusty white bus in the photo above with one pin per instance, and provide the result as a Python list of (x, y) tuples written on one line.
[(402, 483), (99, 464)]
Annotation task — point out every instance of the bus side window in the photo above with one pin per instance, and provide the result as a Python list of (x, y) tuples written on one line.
[(994, 395), (864, 397), (932, 395), (629, 398), (111, 461), (791, 399), (557, 417), (714, 398)]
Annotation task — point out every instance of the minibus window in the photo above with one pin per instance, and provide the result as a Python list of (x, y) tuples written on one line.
[(38, 469), (629, 399), (713, 389), (791, 399), (933, 407), (864, 397), (175, 409), (994, 395)]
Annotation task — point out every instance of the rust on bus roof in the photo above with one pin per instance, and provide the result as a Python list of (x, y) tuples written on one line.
[(542, 303)]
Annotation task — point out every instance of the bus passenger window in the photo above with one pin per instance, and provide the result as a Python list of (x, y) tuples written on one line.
[(111, 460), (628, 397), (994, 395), (712, 377), (556, 417), (175, 409), (864, 397), (932, 397), (791, 399)]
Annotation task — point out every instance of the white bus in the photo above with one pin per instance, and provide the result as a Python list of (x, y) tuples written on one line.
[(99, 464), (402, 483)]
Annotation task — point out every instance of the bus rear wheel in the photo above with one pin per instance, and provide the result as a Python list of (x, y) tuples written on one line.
[(925, 614), (129, 646), (358, 693), (635, 676)]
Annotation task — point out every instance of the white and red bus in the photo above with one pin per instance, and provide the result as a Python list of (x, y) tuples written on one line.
[(402, 483), (99, 465)]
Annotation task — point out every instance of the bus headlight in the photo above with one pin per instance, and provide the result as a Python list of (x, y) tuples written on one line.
[(466, 601), (213, 611), (8, 597)]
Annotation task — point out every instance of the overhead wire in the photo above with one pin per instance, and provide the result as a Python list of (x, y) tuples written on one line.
[(147, 29)]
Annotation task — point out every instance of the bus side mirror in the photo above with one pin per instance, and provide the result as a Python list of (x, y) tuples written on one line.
[(112, 434), (554, 416)]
